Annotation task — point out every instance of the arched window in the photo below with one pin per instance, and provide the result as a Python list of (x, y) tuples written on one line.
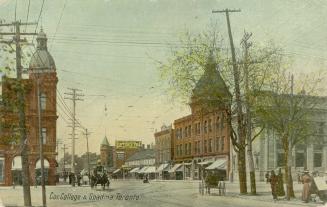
[(205, 127), (43, 101)]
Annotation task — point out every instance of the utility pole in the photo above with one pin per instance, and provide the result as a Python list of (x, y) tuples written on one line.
[(88, 153), (57, 147), (44, 200), (74, 96), (240, 120), (21, 105), (246, 45), (64, 148), (290, 191)]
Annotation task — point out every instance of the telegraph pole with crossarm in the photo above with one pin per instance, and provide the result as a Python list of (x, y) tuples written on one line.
[(74, 96), (21, 102)]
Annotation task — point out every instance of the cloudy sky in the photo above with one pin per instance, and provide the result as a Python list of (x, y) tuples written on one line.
[(106, 48)]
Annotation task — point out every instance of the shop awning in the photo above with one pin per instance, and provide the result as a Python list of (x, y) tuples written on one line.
[(205, 162), (134, 170), (175, 168), (151, 169), (143, 169), (219, 164), (116, 171), (162, 167)]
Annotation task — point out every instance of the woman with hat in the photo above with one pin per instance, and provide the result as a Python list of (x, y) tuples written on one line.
[(273, 184), (306, 179)]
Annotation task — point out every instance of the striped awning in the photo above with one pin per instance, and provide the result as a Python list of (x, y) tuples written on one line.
[(135, 170), (162, 167), (150, 169), (205, 162), (143, 169), (219, 164), (175, 168), (116, 171)]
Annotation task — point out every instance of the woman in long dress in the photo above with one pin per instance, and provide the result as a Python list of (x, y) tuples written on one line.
[(306, 179)]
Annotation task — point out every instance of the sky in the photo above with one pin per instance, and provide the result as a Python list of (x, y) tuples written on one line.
[(108, 49)]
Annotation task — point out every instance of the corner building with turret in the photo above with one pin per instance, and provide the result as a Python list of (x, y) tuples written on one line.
[(42, 69)]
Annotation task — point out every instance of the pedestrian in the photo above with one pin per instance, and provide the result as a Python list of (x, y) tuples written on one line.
[(280, 184), (267, 177), (299, 180), (273, 184), (306, 179), (222, 187)]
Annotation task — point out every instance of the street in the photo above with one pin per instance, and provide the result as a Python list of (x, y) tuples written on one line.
[(135, 193)]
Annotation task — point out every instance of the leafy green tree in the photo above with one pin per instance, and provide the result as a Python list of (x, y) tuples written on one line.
[(288, 107), (188, 65)]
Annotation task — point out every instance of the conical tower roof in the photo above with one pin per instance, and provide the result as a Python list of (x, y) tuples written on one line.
[(211, 89), (105, 141)]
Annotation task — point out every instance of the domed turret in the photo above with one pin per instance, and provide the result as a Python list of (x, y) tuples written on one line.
[(41, 59)]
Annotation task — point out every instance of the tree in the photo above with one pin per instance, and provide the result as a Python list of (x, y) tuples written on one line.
[(188, 63), (287, 107)]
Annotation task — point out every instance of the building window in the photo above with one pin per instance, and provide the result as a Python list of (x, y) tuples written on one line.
[(205, 146), (185, 132), (222, 121), (205, 126), (199, 128), (299, 159), (217, 144), (189, 131), (217, 123), (280, 159), (317, 156), (210, 145), (43, 101), (317, 159), (186, 150), (190, 148), (44, 135), (209, 125), (2, 169), (222, 144)]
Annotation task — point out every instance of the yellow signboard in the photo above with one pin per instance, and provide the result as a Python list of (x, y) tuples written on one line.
[(120, 144)]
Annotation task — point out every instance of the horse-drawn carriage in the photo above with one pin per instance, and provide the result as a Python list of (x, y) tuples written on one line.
[(100, 176)]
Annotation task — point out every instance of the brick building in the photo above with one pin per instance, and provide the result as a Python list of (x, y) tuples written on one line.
[(203, 137), (106, 153), (164, 151), (163, 145), (42, 67)]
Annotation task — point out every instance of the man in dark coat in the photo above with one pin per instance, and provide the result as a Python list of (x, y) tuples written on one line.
[(280, 184), (273, 183)]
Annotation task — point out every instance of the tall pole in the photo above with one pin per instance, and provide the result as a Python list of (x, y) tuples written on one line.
[(22, 124), (64, 148), (290, 143), (44, 201), (74, 96), (88, 153), (246, 46), (21, 106), (240, 126)]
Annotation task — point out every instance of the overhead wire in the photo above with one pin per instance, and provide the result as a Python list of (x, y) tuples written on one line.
[(57, 27), (28, 12), (38, 19)]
